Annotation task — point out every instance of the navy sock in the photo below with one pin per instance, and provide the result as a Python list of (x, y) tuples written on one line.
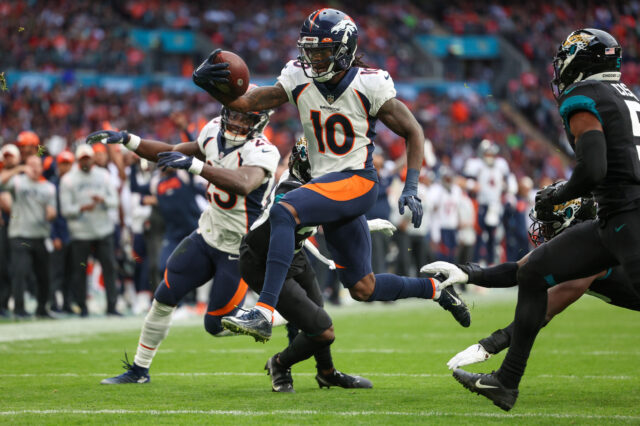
[(394, 287), (281, 246)]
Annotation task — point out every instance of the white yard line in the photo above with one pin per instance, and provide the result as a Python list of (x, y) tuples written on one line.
[(249, 413)]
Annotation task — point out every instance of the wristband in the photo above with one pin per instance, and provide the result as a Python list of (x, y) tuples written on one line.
[(411, 181), (196, 166), (134, 142)]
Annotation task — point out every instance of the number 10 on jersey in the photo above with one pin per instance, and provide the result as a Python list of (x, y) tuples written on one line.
[(325, 133)]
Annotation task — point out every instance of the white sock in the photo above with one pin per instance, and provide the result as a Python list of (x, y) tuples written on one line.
[(154, 330), (268, 313), (438, 290)]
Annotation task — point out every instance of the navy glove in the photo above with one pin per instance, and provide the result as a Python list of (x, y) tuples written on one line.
[(208, 74), (108, 136), (174, 160), (409, 198)]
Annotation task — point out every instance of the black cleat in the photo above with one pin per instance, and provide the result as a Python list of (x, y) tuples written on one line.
[(134, 374), (342, 380), (488, 386), (281, 380), (450, 301)]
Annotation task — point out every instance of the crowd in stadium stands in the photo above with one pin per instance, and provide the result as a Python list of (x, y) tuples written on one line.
[(536, 30), (62, 35), (469, 216)]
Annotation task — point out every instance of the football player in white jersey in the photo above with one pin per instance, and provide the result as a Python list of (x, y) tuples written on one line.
[(239, 163), (339, 101)]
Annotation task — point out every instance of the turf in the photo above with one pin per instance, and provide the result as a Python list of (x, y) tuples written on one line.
[(584, 370)]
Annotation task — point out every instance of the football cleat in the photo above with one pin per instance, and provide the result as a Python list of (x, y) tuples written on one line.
[(488, 386), (134, 374), (450, 301), (342, 380), (281, 380), (251, 322), (471, 355)]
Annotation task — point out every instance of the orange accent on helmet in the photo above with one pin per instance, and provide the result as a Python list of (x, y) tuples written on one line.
[(28, 137), (327, 40)]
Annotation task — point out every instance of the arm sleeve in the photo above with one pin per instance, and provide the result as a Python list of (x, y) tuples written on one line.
[(591, 167)]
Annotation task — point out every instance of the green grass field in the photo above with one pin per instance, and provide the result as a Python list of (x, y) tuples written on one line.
[(584, 370)]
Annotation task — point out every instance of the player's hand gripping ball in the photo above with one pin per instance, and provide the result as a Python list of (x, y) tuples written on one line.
[(223, 73)]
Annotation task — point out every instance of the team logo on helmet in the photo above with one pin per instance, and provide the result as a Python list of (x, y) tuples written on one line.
[(345, 25), (580, 41)]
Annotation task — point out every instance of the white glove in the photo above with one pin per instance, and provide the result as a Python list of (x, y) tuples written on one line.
[(381, 225), (453, 274), (471, 355)]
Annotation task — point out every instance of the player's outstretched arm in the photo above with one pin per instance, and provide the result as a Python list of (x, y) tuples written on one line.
[(240, 181), (209, 74), (396, 116), (145, 148)]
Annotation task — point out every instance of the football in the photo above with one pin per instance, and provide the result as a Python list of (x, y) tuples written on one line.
[(239, 77)]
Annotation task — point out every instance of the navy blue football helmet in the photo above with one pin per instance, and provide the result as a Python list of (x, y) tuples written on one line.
[(327, 29)]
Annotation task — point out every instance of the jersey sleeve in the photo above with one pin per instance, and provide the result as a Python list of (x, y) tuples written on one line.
[(260, 153), (380, 89), (208, 132), (292, 78), (579, 97)]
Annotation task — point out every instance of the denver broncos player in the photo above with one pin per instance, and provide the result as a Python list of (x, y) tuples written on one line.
[(233, 155), (339, 102), (601, 119)]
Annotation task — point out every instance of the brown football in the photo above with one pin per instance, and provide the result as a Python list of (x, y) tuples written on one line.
[(239, 77)]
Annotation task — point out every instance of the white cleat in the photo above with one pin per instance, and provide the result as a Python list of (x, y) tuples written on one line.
[(473, 354)]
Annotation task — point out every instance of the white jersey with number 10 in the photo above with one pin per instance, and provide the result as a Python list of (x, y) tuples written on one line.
[(338, 122)]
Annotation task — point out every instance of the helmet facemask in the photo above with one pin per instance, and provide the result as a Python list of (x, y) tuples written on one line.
[(336, 59), (238, 127), (548, 224)]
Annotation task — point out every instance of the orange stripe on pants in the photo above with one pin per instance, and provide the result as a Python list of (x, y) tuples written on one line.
[(342, 190), (235, 300)]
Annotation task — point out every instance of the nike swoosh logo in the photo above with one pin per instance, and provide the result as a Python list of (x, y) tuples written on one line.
[(386, 77), (481, 386), (618, 228), (266, 150), (456, 301)]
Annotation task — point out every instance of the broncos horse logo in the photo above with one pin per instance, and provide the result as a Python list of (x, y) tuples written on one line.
[(345, 25)]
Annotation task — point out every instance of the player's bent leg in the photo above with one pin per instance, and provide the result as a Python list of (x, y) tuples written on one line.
[(188, 267), (257, 322)]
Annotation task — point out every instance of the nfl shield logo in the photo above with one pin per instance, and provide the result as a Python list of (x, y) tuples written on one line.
[(330, 99)]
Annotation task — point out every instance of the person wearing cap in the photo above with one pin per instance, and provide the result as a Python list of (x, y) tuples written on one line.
[(61, 266), (86, 195), (32, 210), (28, 143), (10, 155)]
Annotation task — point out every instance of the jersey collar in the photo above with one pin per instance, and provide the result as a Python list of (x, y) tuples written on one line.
[(333, 93), (222, 146)]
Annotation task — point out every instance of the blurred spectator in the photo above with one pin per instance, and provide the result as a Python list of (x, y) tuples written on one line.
[(380, 210), (516, 216), (491, 173), (468, 216), (28, 143), (32, 210), (86, 194), (10, 159), (446, 213), (61, 260)]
